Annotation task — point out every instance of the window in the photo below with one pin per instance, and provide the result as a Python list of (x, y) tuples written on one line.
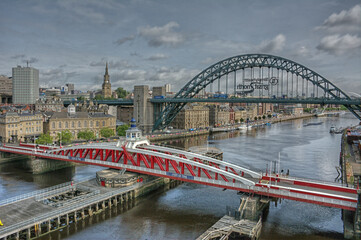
[(91, 123), (66, 125), (53, 125), (85, 124), (79, 124), (103, 123), (72, 123), (59, 124), (97, 123), (16, 132)]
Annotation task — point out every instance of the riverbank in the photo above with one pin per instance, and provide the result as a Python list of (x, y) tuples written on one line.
[(187, 133), (350, 163)]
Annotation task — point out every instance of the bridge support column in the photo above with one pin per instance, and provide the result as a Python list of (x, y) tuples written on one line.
[(90, 211), (252, 207)]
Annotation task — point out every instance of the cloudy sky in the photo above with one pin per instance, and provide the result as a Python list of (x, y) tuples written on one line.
[(170, 41)]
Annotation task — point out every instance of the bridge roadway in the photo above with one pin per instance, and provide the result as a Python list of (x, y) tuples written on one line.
[(192, 167)]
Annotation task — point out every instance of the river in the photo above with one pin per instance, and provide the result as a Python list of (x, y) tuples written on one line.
[(188, 210)]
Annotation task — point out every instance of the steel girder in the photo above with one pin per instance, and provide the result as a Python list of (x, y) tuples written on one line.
[(239, 62)]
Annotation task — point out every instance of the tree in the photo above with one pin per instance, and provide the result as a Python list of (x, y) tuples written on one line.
[(99, 97), (44, 139), (106, 132), (264, 116), (81, 98), (65, 137), (122, 93), (86, 134), (121, 129), (255, 118), (269, 115), (242, 120)]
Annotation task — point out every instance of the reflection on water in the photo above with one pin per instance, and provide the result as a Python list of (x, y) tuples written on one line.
[(188, 210)]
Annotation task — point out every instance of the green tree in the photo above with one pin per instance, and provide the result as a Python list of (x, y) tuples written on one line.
[(269, 115), (264, 116), (44, 138), (99, 97), (121, 129), (242, 120), (81, 98), (86, 134), (255, 118), (65, 137), (122, 93), (106, 132)]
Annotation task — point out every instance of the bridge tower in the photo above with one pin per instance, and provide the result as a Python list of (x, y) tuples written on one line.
[(143, 108)]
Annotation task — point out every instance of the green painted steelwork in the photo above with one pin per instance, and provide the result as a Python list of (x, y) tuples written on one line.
[(233, 64), (322, 101)]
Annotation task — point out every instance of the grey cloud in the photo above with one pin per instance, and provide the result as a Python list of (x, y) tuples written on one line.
[(91, 10), (18, 56), (345, 21), (274, 45), (112, 64), (70, 75), (125, 39), (208, 61), (135, 54), (162, 36), (157, 57), (337, 44)]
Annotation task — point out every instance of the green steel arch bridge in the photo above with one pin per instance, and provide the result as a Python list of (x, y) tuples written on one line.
[(256, 78)]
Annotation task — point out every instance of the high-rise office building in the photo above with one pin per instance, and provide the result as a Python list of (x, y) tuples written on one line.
[(25, 85)]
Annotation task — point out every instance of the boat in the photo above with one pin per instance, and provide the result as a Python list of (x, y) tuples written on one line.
[(312, 123), (332, 129), (243, 127)]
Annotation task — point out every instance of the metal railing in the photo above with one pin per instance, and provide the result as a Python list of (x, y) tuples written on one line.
[(62, 211), (34, 194)]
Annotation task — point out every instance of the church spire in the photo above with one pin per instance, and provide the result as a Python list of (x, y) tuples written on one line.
[(106, 68)]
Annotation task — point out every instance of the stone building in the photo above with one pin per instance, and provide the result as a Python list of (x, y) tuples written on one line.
[(192, 116), (239, 114), (53, 104), (125, 113), (106, 87), (6, 85), (78, 121), (20, 126), (218, 115)]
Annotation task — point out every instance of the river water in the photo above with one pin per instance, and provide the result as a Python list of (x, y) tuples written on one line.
[(186, 211)]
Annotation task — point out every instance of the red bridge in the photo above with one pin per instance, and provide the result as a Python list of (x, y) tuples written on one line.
[(191, 167)]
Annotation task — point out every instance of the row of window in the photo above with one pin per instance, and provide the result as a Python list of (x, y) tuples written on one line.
[(27, 130), (27, 124), (79, 124)]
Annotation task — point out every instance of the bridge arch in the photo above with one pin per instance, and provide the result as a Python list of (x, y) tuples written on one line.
[(311, 84)]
